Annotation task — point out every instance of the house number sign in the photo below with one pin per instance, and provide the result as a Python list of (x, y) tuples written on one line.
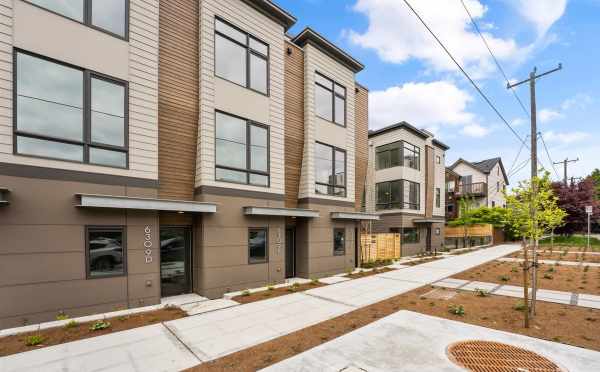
[(148, 244)]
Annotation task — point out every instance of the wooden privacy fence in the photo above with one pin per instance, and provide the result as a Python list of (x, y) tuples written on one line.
[(379, 246), (473, 230)]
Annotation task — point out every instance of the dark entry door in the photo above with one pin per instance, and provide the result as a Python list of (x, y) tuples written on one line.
[(428, 241), (175, 259), (290, 252)]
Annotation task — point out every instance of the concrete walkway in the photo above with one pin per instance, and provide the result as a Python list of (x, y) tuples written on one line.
[(553, 262), (559, 297), (189, 341), (408, 341)]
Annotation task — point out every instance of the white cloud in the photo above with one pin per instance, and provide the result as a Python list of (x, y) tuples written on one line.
[(397, 35), (565, 138), (518, 122), (475, 130), (427, 105), (540, 13), (547, 115)]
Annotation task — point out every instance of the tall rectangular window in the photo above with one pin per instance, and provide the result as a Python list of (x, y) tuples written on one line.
[(242, 151), (330, 100), (105, 251), (411, 195), (257, 245), (396, 154), (241, 58), (339, 242), (67, 113), (330, 170), (411, 156), (107, 15), (438, 197), (389, 195)]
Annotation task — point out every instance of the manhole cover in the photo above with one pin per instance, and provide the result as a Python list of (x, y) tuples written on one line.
[(487, 356)]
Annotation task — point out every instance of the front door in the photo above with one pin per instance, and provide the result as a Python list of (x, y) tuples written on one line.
[(290, 252), (428, 241), (175, 259)]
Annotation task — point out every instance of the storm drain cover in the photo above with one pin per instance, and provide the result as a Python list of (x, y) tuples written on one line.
[(488, 356)]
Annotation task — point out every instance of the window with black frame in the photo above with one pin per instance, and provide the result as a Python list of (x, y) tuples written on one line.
[(67, 113), (330, 170), (106, 254), (411, 195), (388, 156), (241, 58), (242, 151), (330, 100), (389, 195), (410, 235), (438, 197), (106, 15), (257, 245), (339, 242), (411, 156)]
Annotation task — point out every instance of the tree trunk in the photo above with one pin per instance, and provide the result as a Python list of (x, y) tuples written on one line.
[(525, 288)]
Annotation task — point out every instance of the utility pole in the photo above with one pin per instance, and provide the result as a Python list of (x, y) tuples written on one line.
[(565, 163), (534, 161)]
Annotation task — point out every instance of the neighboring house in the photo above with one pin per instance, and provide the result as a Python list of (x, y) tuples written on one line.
[(452, 200), (405, 186), (484, 182), (153, 148)]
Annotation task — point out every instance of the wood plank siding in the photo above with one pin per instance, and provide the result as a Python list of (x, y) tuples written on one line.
[(294, 122), (362, 148), (178, 89), (429, 180)]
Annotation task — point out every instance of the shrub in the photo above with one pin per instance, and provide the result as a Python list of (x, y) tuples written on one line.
[(246, 292), (270, 288), (314, 281), (34, 340), (481, 292), (519, 306), (72, 324), (504, 278), (456, 310), (100, 325), (62, 316)]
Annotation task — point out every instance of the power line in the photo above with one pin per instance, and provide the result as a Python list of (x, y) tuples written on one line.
[(517, 157), (494, 58), (487, 100), (548, 154)]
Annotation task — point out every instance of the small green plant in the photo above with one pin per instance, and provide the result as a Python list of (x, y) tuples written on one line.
[(479, 292), (270, 288), (504, 278), (514, 270), (296, 285), (62, 316), (586, 268), (548, 276), (100, 325), (34, 340), (72, 324), (519, 306), (456, 310), (550, 270), (246, 292), (314, 281), (123, 318)]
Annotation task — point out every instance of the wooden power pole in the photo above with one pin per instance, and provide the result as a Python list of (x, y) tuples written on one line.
[(565, 163), (534, 170)]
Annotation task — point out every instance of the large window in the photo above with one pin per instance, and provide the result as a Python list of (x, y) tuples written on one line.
[(106, 254), (242, 151), (67, 113), (330, 100), (339, 242), (107, 15), (257, 245), (241, 58), (398, 194), (330, 170), (410, 235), (396, 154)]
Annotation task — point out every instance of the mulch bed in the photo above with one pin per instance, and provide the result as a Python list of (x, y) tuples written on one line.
[(562, 323), (558, 278), (276, 292), (557, 255), (53, 336), (363, 274), (422, 261)]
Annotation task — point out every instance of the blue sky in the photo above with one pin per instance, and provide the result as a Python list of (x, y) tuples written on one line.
[(410, 78)]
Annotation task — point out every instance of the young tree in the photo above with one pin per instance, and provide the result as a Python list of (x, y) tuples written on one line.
[(573, 199), (464, 219)]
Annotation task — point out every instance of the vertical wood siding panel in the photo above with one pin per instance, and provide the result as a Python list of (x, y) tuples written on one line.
[(362, 132)]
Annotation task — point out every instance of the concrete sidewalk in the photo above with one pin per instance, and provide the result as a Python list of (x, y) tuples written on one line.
[(195, 339)]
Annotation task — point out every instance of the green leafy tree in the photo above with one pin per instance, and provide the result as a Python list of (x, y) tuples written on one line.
[(465, 219), (595, 176)]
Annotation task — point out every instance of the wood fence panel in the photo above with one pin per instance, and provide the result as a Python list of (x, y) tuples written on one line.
[(380, 246), (475, 230)]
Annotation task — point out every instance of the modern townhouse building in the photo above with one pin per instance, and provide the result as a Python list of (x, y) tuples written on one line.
[(153, 148), (483, 182), (405, 185)]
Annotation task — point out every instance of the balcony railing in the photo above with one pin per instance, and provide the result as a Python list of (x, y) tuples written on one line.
[(472, 189)]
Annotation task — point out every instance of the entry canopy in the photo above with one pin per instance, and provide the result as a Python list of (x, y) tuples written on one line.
[(359, 216), (126, 202), (3, 196), (280, 212), (427, 220)]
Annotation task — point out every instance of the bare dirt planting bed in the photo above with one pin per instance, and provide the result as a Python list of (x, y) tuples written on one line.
[(556, 277), (276, 292), (362, 274), (60, 335), (562, 323), (559, 255)]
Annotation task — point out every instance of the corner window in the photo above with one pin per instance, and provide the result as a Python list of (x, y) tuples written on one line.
[(411, 155), (241, 58), (330, 100), (106, 15), (330, 170), (410, 235), (389, 195), (339, 242), (257, 245), (242, 151), (411, 196), (67, 113), (396, 154), (105, 252), (438, 197)]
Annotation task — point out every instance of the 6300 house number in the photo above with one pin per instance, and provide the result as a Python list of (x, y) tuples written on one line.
[(148, 244)]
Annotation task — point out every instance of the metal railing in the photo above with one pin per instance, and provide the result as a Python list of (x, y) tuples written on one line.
[(472, 189)]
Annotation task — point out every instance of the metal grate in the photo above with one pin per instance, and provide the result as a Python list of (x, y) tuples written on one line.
[(488, 356)]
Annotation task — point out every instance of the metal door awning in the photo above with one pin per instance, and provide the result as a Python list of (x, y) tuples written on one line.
[(357, 216), (280, 212), (127, 202)]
